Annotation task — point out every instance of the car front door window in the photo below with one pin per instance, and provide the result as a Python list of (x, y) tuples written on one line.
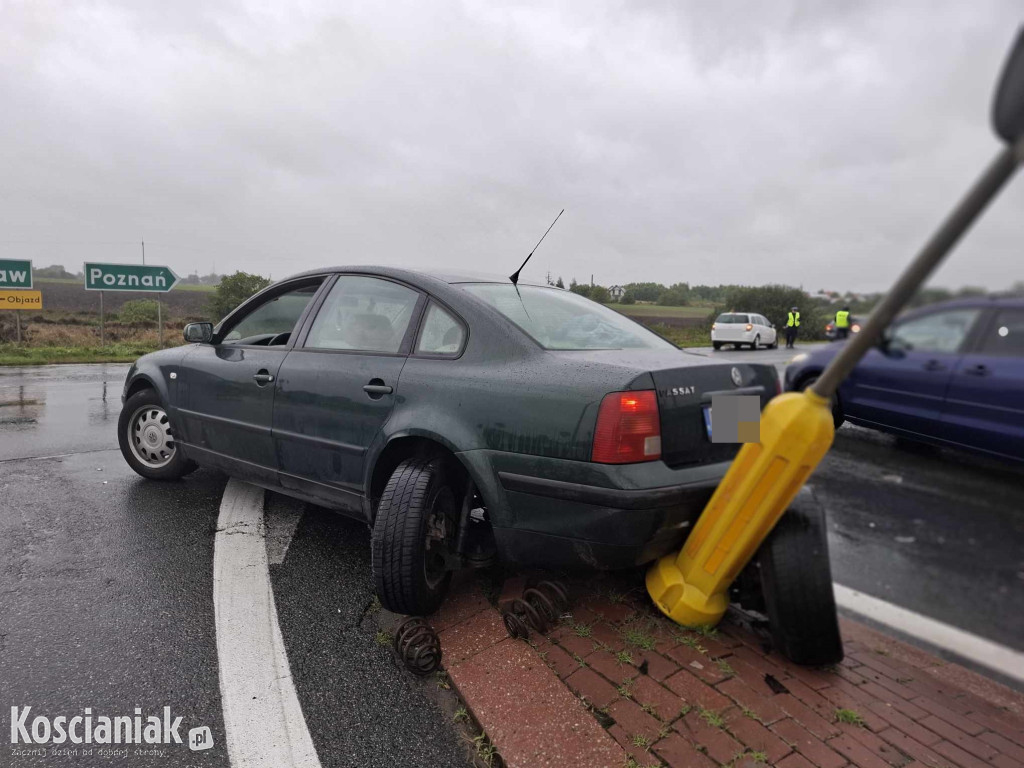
[(271, 323), (942, 332)]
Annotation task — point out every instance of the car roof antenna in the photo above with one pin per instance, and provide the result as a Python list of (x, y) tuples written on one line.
[(514, 277)]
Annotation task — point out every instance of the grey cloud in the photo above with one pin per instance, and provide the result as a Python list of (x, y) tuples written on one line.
[(809, 143)]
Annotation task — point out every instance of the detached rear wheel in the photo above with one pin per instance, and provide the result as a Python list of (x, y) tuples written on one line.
[(415, 525), (796, 581), (146, 438)]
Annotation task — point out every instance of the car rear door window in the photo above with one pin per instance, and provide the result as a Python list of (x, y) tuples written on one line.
[(441, 333), (365, 314), (1005, 337), (730, 318), (937, 332)]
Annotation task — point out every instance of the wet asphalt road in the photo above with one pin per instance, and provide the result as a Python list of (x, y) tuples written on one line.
[(106, 594), (106, 582)]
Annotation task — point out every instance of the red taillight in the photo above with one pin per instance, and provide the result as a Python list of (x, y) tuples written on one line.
[(628, 428), (750, 327)]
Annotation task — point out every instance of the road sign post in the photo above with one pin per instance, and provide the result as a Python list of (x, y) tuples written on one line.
[(145, 278)]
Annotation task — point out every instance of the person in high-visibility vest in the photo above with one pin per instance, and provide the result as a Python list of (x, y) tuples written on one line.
[(792, 326), (843, 323)]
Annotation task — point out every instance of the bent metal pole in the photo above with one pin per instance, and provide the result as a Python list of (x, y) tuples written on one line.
[(941, 243), (691, 587)]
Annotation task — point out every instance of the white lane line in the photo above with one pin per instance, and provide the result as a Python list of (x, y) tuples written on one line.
[(262, 717), (984, 652)]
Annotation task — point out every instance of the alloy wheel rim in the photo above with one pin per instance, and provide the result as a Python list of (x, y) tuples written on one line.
[(150, 437)]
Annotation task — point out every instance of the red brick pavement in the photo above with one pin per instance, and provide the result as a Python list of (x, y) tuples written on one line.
[(672, 697)]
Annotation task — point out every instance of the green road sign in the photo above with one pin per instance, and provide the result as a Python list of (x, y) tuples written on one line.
[(128, 277), (15, 273)]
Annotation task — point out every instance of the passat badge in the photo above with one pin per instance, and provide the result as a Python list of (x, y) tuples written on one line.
[(737, 377)]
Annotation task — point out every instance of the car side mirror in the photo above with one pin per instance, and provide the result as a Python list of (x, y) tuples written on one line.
[(1008, 105), (201, 333)]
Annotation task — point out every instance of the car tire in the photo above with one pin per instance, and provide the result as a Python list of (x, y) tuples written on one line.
[(756, 342), (716, 344), (796, 581), (407, 575), (775, 344), (837, 411), (146, 438)]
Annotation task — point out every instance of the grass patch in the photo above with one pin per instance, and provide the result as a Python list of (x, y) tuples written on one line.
[(461, 715), (486, 752), (849, 716), (18, 354), (691, 336), (725, 667), (624, 657), (624, 691), (654, 310), (383, 637), (641, 741), (752, 715), (712, 718), (582, 630), (638, 638)]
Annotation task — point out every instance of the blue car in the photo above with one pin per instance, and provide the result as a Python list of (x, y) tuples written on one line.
[(949, 374)]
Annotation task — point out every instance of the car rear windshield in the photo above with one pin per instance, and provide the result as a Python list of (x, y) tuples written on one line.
[(729, 317), (558, 319)]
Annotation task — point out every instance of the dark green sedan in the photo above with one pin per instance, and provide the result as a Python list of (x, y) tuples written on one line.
[(466, 420)]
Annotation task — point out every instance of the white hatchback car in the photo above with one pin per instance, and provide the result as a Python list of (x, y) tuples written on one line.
[(742, 328)]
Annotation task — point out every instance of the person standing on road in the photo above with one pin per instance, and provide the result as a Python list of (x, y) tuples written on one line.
[(792, 326), (843, 323)]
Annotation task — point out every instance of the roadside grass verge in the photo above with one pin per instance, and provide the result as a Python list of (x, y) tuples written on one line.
[(19, 354)]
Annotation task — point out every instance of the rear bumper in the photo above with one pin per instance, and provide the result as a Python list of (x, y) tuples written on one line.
[(561, 524)]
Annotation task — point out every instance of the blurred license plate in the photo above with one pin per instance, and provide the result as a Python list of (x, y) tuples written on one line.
[(707, 420)]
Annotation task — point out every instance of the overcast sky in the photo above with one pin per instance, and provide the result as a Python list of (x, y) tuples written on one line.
[(806, 143)]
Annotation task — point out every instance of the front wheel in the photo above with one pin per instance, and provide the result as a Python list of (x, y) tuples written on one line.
[(146, 438), (716, 344), (415, 524), (796, 581), (756, 342)]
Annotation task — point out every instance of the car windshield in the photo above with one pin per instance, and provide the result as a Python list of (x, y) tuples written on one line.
[(558, 319), (729, 317)]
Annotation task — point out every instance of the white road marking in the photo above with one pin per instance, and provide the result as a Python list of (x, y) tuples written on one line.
[(281, 519), (262, 717), (986, 653)]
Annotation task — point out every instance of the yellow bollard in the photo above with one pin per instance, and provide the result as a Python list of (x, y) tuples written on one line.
[(691, 587)]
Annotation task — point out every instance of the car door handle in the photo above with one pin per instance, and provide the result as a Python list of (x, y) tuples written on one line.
[(934, 365), (977, 370), (262, 378), (377, 388)]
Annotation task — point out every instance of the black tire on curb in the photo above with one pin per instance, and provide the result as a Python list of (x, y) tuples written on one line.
[(796, 579), (399, 541), (176, 468), (716, 344)]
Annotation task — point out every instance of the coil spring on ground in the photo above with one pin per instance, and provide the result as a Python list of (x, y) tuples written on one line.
[(538, 609), (418, 646)]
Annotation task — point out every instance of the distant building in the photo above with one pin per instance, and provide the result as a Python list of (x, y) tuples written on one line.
[(616, 292)]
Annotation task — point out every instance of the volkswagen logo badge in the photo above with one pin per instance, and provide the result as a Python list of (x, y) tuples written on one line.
[(737, 377)]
